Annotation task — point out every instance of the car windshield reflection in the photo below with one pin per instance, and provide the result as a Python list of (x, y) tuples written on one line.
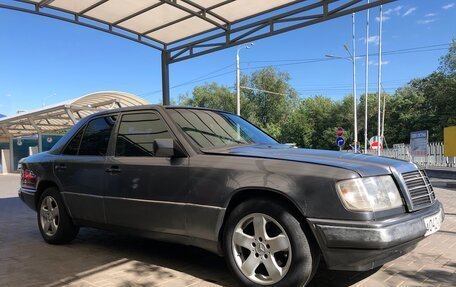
[(212, 129)]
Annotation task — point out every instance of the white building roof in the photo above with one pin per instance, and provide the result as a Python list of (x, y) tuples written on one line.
[(64, 115)]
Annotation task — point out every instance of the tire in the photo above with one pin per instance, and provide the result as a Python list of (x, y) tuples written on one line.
[(266, 245), (56, 226)]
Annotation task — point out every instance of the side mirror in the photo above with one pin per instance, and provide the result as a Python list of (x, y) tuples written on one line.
[(166, 148)]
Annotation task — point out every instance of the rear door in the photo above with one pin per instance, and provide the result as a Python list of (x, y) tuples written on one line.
[(143, 191), (81, 169)]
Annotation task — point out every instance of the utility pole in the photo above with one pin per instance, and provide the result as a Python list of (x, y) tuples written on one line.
[(379, 139), (366, 87), (353, 60), (238, 78)]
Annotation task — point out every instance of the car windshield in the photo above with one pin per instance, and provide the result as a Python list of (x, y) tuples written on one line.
[(212, 129)]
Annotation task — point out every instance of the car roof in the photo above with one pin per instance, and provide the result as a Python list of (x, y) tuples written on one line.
[(146, 107)]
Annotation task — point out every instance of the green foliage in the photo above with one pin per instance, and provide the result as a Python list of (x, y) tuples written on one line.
[(448, 62), (423, 104), (211, 96), (266, 108)]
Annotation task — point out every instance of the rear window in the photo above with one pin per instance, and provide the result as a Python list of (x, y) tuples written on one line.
[(96, 136), (72, 147)]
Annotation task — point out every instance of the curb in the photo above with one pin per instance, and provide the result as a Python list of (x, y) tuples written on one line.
[(441, 173)]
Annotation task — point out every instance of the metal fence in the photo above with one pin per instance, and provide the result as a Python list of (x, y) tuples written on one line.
[(434, 157)]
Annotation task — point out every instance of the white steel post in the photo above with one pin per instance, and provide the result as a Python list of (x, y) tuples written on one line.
[(354, 85), (238, 85), (366, 86), (238, 78), (379, 80)]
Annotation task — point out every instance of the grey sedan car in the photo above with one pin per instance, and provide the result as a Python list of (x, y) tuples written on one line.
[(213, 180)]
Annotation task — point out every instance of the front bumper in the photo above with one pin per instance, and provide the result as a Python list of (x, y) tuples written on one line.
[(28, 196), (360, 246)]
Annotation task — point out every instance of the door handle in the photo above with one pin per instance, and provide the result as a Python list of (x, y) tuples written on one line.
[(113, 169), (60, 167)]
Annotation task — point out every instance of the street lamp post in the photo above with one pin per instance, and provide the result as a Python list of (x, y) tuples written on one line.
[(352, 59), (238, 78)]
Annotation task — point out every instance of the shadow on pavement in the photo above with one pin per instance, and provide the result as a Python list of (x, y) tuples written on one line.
[(25, 259), (331, 278), (431, 277)]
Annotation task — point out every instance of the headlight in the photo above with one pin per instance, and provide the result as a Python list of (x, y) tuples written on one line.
[(369, 194)]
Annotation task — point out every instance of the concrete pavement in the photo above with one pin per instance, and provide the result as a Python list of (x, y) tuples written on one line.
[(100, 258)]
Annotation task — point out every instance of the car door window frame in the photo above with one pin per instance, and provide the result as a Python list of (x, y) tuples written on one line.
[(115, 133), (83, 129)]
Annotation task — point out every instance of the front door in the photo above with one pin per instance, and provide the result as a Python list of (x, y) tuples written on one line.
[(143, 191)]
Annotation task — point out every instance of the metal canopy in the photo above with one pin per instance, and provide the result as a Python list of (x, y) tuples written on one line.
[(64, 115), (183, 29)]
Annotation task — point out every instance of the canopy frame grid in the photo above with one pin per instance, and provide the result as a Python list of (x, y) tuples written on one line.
[(215, 28)]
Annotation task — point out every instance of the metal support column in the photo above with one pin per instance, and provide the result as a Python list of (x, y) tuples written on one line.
[(39, 133), (11, 165), (379, 80), (9, 169), (165, 77), (70, 115)]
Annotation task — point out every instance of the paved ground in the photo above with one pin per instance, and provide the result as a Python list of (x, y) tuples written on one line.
[(99, 258)]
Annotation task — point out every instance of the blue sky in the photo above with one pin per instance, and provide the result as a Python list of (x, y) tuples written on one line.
[(45, 61)]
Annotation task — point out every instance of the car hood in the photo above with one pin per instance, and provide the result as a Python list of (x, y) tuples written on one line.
[(364, 165)]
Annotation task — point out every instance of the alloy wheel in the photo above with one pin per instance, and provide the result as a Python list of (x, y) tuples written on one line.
[(262, 249), (49, 216)]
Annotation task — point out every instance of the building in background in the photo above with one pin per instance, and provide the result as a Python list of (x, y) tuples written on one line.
[(38, 130)]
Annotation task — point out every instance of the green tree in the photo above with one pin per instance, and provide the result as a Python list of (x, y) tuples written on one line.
[(424, 104), (404, 114), (427, 103), (448, 62), (313, 124), (297, 129), (268, 110), (212, 96)]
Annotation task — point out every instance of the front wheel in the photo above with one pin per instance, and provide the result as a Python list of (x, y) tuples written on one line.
[(266, 245), (54, 222)]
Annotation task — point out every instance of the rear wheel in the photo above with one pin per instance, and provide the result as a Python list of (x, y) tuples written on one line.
[(54, 222), (266, 245)]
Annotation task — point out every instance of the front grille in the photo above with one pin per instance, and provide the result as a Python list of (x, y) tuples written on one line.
[(419, 188)]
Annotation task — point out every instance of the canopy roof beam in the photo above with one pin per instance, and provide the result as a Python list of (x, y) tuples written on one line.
[(5, 131), (75, 18), (269, 27), (200, 14), (71, 116)]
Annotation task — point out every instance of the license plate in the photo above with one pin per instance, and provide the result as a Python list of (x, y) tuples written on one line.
[(433, 223)]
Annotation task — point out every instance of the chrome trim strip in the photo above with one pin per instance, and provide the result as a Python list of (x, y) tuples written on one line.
[(81, 194), (28, 191), (147, 200)]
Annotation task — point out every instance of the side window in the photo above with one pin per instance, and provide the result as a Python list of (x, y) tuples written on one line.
[(96, 136), (73, 146), (137, 133)]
